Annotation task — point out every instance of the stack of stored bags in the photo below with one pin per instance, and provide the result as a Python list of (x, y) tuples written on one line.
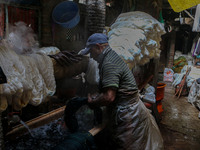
[(179, 63), (136, 37)]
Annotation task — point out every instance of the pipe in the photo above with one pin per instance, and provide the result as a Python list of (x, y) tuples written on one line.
[(19, 130), (189, 14)]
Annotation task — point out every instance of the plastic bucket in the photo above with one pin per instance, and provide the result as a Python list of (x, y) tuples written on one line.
[(66, 14), (160, 91), (159, 107)]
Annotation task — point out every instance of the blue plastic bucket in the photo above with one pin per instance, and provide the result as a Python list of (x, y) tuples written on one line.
[(66, 14)]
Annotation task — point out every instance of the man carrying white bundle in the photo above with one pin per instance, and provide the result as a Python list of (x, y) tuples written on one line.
[(130, 124)]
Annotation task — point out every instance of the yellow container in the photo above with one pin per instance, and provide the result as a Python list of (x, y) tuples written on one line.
[(180, 5)]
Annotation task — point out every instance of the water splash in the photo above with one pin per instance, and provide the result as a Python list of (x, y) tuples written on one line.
[(25, 125), (49, 135)]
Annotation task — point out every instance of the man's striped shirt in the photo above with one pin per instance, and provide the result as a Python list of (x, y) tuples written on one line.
[(114, 72)]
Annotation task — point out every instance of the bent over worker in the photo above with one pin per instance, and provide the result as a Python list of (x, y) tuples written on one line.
[(130, 124)]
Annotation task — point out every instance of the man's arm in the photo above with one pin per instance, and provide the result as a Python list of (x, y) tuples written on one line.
[(65, 58), (104, 99), (71, 70)]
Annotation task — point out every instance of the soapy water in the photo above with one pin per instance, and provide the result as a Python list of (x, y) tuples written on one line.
[(42, 138), (49, 135)]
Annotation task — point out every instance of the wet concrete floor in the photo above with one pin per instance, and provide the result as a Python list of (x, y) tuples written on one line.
[(180, 125)]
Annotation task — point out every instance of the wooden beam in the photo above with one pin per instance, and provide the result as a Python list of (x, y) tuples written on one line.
[(20, 130), (171, 51), (141, 86), (155, 81), (94, 131)]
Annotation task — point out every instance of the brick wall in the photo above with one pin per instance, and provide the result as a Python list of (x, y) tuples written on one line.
[(96, 15)]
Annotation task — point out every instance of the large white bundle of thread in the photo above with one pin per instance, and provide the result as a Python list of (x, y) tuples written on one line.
[(30, 79), (29, 71), (136, 37)]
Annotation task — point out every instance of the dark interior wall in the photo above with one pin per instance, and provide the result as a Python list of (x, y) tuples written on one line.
[(113, 12), (165, 47), (184, 38), (46, 23), (117, 7), (72, 39), (96, 16), (92, 19), (55, 35), (151, 7)]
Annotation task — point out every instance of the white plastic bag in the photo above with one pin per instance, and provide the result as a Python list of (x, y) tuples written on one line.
[(150, 89), (196, 27), (168, 74), (194, 95), (149, 98), (92, 73), (149, 95)]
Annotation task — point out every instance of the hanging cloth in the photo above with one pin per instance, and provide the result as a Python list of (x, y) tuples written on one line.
[(180, 5), (196, 24), (197, 48)]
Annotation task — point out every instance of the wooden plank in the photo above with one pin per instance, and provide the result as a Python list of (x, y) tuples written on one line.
[(155, 80), (36, 122), (94, 131)]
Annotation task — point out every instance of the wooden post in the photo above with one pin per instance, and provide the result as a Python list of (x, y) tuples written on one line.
[(155, 80), (171, 50), (155, 72)]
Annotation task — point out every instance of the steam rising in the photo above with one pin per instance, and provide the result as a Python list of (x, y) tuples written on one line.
[(22, 39)]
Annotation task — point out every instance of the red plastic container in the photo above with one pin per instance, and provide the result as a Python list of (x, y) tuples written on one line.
[(159, 107), (148, 105), (160, 91)]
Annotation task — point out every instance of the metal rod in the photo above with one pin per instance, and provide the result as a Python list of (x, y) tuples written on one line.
[(189, 14)]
